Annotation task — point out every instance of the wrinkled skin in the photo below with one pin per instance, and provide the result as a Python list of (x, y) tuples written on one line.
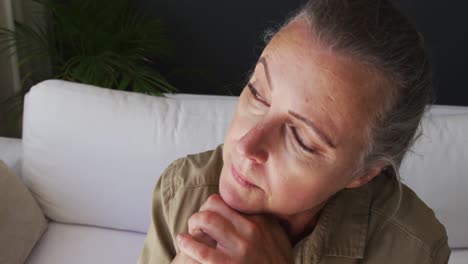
[(277, 168)]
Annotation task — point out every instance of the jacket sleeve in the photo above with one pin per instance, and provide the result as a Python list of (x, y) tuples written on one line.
[(159, 247), (441, 253)]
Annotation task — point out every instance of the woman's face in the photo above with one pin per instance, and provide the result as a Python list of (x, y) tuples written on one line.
[(299, 128)]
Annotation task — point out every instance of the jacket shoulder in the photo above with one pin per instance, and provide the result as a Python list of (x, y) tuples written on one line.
[(401, 219), (195, 170)]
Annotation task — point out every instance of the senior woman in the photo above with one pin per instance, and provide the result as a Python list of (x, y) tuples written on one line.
[(308, 172)]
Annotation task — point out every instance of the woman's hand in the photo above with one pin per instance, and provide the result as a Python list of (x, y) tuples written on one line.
[(201, 237), (240, 238)]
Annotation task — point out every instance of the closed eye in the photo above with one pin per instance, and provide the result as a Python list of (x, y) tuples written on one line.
[(301, 142), (257, 96)]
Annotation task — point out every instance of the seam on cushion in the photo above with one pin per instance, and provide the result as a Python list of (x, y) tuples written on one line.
[(402, 228)]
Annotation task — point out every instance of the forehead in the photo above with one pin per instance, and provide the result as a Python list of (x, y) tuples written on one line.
[(319, 82)]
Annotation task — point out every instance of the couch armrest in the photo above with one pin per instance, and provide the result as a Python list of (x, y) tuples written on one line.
[(10, 153)]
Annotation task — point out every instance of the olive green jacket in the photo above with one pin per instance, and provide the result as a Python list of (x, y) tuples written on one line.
[(356, 226)]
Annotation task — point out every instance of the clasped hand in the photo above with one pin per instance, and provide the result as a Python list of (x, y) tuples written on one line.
[(219, 234)]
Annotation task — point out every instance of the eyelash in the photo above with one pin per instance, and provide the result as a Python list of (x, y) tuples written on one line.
[(255, 94), (299, 141)]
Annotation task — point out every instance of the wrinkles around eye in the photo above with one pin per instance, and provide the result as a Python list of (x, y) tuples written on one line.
[(256, 95)]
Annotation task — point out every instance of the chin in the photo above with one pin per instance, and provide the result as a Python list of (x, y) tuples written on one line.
[(235, 199)]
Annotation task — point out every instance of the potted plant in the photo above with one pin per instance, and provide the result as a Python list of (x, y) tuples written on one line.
[(99, 42)]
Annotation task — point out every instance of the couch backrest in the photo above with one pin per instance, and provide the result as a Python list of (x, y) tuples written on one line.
[(437, 169), (93, 155)]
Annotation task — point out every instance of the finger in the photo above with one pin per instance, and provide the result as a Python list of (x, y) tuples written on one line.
[(242, 223), (215, 226), (197, 251), (201, 236), (264, 220), (269, 223), (216, 203), (183, 258), (270, 226)]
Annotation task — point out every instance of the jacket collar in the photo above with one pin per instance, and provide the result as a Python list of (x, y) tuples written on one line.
[(341, 230), (347, 230)]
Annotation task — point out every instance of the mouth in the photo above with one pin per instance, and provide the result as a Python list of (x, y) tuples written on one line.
[(242, 180)]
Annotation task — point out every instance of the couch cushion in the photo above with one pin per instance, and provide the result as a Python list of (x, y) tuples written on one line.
[(21, 220), (93, 155), (75, 244), (459, 256), (436, 169)]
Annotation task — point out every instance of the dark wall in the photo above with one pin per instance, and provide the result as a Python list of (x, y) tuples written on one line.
[(218, 42), (444, 25)]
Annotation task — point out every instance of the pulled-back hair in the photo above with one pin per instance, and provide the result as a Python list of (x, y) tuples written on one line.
[(376, 34)]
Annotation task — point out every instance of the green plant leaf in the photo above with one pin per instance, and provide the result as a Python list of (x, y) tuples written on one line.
[(93, 42)]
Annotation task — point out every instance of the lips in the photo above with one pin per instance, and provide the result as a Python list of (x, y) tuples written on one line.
[(241, 179)]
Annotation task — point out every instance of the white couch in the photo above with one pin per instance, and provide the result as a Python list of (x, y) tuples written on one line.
[(91, 157)]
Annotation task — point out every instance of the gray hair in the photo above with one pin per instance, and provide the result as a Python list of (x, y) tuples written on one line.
[(377, 34)]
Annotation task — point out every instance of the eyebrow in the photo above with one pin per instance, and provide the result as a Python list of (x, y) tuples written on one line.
[(317, 130), (262, 61), (308, 122)]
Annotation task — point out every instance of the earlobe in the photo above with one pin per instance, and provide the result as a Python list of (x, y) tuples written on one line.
[(357, 182), (362, 180)]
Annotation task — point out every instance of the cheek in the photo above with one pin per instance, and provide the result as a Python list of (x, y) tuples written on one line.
[(302, 191), (298, 195)]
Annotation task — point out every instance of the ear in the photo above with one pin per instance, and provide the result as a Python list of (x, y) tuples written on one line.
[(364, 179)]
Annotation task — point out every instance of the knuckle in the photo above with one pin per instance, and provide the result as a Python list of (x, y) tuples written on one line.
[(192, 222), (208, 217), (182, 242), (211, 202), (199, 217), (213, 199), (251, 229)]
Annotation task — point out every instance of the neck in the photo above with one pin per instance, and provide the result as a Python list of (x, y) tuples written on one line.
[(300, 225)]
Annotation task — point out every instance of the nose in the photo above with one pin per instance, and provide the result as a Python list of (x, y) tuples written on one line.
[(253, 144)]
